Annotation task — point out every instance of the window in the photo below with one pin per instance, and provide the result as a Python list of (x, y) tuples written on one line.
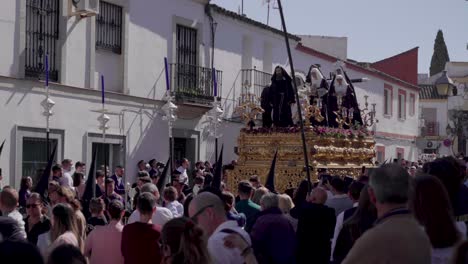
[(109, 154), (388, 100), (412, 109), (35, 156), (42, 33), (186, 45), (380, 154), (109, 27), (401, 104), (400, 153)]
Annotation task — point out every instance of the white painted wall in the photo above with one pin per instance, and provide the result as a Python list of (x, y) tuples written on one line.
[(334, 46)]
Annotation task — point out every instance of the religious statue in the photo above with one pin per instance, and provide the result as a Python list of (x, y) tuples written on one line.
[(281, 97), (317, 92)]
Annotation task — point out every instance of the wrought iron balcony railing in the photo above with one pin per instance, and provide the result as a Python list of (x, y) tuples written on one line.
[(430, 129), (253, 78), (194, 84)]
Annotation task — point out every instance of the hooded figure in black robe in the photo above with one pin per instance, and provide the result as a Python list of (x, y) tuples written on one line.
[(281, 96), (314, 97)]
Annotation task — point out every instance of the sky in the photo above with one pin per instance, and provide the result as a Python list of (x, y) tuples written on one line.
[(375, 29)]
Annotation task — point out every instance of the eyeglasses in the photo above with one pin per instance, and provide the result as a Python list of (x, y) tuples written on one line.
[(32, 206), (194, 217)]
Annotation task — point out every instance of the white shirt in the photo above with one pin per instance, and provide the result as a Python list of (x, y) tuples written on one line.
[(176, 208), (221, 254), (66, 180), (19, 218), (183, 178), (160, 217), (338, 227)]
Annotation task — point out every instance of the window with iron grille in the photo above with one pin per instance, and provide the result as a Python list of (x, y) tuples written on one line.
[(186, 67), (42, 33), (109, 27)]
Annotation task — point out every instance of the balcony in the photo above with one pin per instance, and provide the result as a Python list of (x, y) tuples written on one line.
[(253, 78), (431, 129), (194, 84)]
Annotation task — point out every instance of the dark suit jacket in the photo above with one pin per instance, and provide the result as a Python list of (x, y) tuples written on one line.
[(315, 230)]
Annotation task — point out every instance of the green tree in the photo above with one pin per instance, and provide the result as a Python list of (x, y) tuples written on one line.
[(440, 55)]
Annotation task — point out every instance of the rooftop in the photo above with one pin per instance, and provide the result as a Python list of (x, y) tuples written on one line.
[(428, 92)]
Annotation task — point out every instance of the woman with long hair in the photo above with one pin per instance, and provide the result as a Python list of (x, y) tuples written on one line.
[(431, 206), (258, 194), (183, 242), (66, 195), (353, 228), (79, 184), (64, 228)]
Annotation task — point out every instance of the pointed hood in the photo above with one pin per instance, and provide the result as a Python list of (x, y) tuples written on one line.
[(217, 177), (270, 181), (163, 179), (90, 189), (43, 183), (1, 147)]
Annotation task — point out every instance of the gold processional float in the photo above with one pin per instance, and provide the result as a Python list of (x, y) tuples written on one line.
[(342, 151)]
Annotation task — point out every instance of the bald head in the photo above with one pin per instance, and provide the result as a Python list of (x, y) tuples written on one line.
[(204, 200), (318, 196)]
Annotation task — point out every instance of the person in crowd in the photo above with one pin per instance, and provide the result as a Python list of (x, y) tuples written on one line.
[(64, 229), (412, 171), (199, 182), (79, 184), (24, 191), (183, 242), (431, 206), (354, 226), (161, 216), (255, 181), (461, 254), (315, 225), (66, 179), (80, 167), (110, 194), (286, 204), (187, 202), (340, 200), (208, 167), (52, 189), (300, 195), (231, 213), (35, 223), (171, 203), (141, 165), (389, 188), (184, 166), (10, 230), (140, 240), (19, 252), (448, 171), (57, 173), (100, 183), (66, 253), (207, 210), (66, 195), (180, 184), (354, 192), (258, 194), (273, 236), (96, 208), (118, 179), (107, 239), (142, 178), (208, 179), (245, 205), (8, 207), (238, 242)]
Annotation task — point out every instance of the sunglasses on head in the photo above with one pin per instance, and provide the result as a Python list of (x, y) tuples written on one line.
[(32, 206), (194, 217)]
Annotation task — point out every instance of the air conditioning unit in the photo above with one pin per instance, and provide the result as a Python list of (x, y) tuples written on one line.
[(83, 8), (432, 144)]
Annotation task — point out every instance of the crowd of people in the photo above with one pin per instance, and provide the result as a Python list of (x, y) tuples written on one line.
[(400, 212)]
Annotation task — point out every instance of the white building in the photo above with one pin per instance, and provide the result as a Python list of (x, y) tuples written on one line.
[(127, 43), (445, 116)]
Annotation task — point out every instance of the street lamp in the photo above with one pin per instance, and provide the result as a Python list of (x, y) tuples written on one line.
[(443, 84)]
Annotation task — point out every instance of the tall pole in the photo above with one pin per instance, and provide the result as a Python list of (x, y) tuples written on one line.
[(103, 120), (47, 104), (299, 110), (169, 113)]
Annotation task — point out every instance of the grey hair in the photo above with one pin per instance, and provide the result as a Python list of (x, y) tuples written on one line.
[(391, 184), (269, 200), (149, 187)]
